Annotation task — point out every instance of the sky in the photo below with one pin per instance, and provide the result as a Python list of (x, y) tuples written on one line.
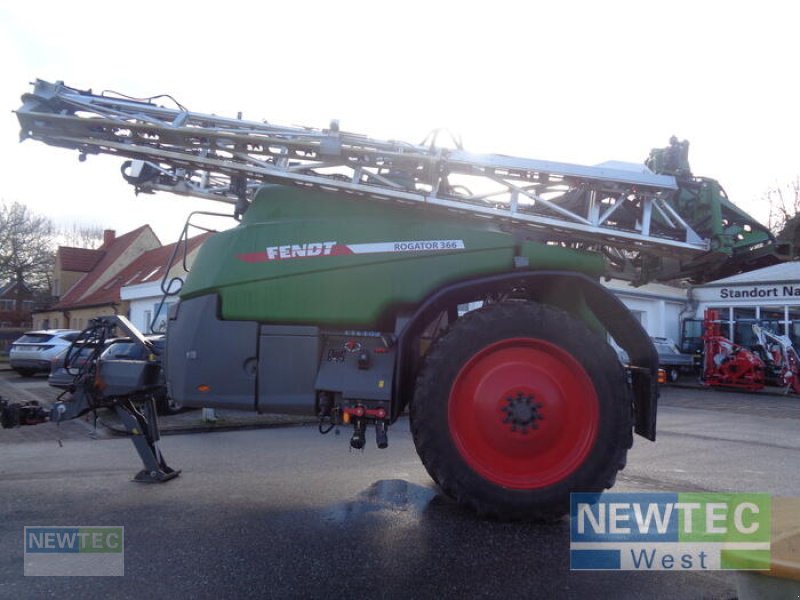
[(572, 81)]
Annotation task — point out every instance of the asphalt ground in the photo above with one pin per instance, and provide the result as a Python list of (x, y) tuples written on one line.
[(288, 513)]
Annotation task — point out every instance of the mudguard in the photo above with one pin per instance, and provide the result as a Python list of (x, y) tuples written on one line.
[(604, 308)]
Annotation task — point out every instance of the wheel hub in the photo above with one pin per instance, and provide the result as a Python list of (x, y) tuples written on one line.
[(521, 412)]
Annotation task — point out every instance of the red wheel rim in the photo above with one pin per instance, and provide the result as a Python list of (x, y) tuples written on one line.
[(523, 413)]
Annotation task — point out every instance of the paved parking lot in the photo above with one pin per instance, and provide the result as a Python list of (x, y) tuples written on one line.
[(768, 403), (288, 513)]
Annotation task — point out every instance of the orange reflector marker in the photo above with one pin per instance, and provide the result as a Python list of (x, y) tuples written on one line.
[(346, 418), (203, 388), (662, 376)]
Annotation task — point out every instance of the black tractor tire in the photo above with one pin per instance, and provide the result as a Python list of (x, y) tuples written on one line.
[(518, 405)]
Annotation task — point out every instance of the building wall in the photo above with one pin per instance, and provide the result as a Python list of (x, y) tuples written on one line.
[(144, 298), (76, 318), (145, 241), (16, 304), (143, 311), (658, 307), (79, 319), (659, 317), (63, 280)]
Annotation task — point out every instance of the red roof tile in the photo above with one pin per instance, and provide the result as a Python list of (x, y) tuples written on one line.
[(75, 295), (81, 260), (148, 267), (11, 286)]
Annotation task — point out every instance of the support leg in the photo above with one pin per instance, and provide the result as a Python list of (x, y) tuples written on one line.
[(143, 427)]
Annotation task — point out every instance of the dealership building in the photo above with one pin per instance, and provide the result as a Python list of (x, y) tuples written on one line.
[(770, 295)]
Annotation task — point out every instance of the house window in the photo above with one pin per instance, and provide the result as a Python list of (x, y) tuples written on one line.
[(6, 304), (151, 273), (793, 324), (744, 318), (725, 319), (774, 319), (148, 317)]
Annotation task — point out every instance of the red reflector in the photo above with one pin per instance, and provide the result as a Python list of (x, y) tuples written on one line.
[(203, 388)]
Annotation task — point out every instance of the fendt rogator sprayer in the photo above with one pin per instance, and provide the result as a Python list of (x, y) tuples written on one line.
[(342, 291)]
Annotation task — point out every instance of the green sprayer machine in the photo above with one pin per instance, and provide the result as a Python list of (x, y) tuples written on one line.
[(367, 278)]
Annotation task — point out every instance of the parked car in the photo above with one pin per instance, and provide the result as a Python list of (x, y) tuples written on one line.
[(672, 360), (32, 353)]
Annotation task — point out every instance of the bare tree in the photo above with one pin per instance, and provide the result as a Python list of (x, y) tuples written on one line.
[(80, 236), (784, 204), (26, 247), (784, 213)]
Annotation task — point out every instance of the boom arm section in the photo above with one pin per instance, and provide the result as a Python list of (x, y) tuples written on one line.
[(629, 213), (738, 242)]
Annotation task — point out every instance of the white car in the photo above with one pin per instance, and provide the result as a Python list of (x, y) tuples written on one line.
[(33, 352)]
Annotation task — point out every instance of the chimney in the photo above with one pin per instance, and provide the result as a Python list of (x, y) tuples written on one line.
[(109, 235)]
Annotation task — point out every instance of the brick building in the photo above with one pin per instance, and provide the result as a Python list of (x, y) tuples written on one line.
[(88, 282), (16, 305)]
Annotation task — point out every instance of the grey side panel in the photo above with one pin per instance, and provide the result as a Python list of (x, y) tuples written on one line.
[(124, 377), (204, 350), (287, 366), (340, 372)]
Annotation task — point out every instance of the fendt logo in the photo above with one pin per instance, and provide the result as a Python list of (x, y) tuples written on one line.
[(670, 532), (300, 250), (319, 249)]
